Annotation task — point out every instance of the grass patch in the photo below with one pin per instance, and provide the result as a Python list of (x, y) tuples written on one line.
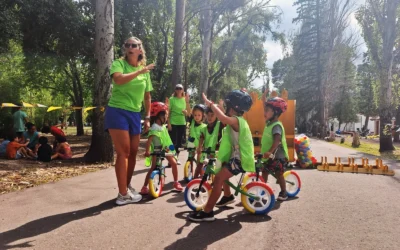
[(371, 148), (72, 130)]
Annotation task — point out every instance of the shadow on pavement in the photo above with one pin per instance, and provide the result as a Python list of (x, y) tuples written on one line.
[(48, 224), (177, 198), (206, 233)]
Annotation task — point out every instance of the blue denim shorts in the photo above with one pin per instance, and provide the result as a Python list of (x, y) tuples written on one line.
[(116, 118)]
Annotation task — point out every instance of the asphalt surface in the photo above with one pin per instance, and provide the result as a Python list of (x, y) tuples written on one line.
[(332, 211)]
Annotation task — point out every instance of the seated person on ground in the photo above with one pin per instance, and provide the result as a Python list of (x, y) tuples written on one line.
[(63, 150), (16, 150), (3, 146), (56, 132), (32, 135), (44, 151)]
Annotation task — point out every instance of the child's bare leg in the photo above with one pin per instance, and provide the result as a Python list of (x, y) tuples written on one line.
[(227, 189), (174, 166), (153, 166), (23, 152), (31, 154), (199, 171), (223, 175), (54, 156), (265, 175), (282, 182)]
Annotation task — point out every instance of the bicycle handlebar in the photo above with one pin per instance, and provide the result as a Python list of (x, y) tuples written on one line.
[(209, 151), (162, 154), (260, 156)]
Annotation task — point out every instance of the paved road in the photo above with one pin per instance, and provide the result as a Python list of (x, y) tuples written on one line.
[(332, 211)]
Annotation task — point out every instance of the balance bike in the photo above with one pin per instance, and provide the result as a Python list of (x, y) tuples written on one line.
[(293, 182), (256, 197), (157, 177)]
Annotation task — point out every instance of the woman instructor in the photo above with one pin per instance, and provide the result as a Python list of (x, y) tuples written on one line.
[(178, 108), (131, 86)]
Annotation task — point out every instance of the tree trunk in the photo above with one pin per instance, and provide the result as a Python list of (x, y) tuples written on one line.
[(101, 147), (396, 137), (178, 41), (385, 100), (187, 56), (387, 22), (79, 122), (206, 46), (366, 123), (319, 70)]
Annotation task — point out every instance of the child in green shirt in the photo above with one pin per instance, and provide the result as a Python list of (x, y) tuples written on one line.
[(196, 127), (273, 142), (210, 137), (159, 139), (236, 152)]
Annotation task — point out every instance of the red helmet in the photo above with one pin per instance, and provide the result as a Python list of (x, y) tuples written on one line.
[(278, 104), (157, 107)]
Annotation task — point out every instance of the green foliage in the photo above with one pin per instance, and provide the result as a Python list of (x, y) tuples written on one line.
[(366, 83), (47, 54)]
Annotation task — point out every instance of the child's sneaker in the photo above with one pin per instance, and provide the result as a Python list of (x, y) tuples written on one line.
[(225, 201), (282, 196), (178, 186), (127, 199), (202, 216), (144, 190)]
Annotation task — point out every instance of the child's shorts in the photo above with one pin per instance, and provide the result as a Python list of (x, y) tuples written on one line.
[(276, 166), (234, 166)]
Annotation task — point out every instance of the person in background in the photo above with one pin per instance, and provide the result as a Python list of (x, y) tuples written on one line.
[(20, 118), (31, 135), (179, 107), (44, 151), (16, 150), (56, 132), (3, 146), (63, 150)]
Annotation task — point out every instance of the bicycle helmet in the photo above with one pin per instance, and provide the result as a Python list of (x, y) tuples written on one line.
[(278, 104), (157, 107), (238, 100), (200, 107)]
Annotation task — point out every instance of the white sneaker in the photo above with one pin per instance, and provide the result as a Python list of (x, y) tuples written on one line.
[(135, 195), (128, 198), (133, 191)]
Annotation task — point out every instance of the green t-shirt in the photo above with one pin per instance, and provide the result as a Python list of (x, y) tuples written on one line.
[(176, 106), (19, 121), (129, 96)]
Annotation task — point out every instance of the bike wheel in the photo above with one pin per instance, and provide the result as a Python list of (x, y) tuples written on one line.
[(262, 190), (156, 183), (188, 171), (251, 177), (292, 189), (193, 202)]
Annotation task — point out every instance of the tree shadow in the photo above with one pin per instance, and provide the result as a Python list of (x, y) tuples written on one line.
[(48, 224), (206, 233)]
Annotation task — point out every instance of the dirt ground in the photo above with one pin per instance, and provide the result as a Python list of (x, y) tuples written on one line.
[(21, 174)]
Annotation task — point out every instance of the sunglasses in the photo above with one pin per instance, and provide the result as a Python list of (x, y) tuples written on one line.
[(178, 88), (132, 45)]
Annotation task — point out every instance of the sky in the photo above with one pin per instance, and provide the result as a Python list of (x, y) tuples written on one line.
[(274, 49)]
